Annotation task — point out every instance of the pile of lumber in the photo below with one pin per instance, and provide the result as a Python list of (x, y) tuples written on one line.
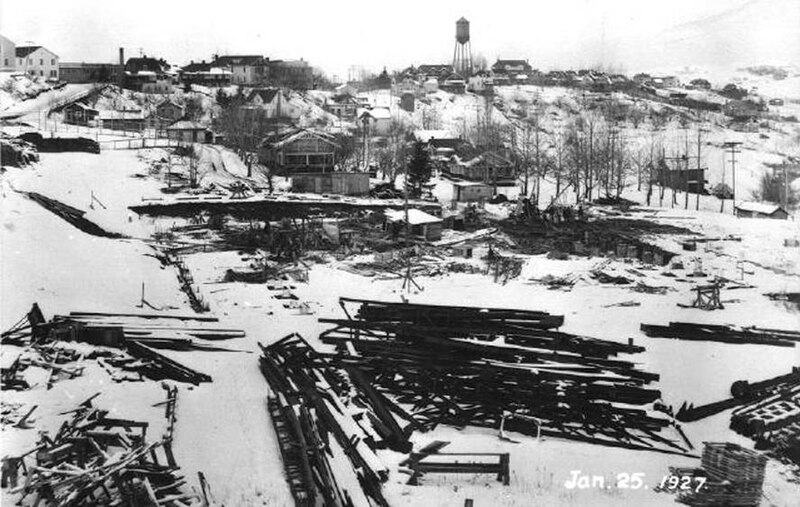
[(138, 334), (724, 334), (773, 421), (469, 365), (72, 215), (325, 417), (97, 460), (767, 411), (732, 475)]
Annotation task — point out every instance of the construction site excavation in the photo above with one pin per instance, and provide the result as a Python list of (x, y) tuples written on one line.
[(247, 280)]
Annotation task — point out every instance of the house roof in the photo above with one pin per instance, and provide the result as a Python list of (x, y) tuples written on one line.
[(290, 134), (378, 113), (145, 64), (415, 217), (759, 207), (426, 135), (228, 60), (23, 51), (187, 125), (510, 62), (168, 102), (196, 67), (266, 94), (470, 184), (80, 105)]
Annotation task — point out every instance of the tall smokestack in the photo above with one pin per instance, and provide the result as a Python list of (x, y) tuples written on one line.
[(122, 56)]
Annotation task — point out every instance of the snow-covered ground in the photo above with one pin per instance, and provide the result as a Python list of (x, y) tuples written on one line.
[(223, 428)]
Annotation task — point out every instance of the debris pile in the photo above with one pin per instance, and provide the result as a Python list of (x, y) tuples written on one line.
[(729, 475), (139, 335), (468, 366), (16, 152), (72, 215), (724, 334), (313, 401), (773, 421), (60, 144), (97, 460)]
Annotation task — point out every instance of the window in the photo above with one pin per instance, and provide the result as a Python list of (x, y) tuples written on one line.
[(41, 73), (30, 61), (6, 62), (41, 61), (52, 73), (52, 61)]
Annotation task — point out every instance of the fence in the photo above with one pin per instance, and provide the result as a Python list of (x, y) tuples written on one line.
[(141, 142)]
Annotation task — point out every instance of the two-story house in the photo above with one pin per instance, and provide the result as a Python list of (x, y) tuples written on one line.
[(37, 61)]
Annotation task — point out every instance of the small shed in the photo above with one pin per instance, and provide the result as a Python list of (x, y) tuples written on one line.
[(760, 210), (471, 191), (169, 110), (79, 113), (422, 225), (190, 132)]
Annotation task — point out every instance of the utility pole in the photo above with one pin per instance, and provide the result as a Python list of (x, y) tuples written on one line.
[(700, 174), (785, 188), (733, 149)]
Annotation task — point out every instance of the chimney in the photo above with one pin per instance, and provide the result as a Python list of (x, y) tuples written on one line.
[(122, 56)]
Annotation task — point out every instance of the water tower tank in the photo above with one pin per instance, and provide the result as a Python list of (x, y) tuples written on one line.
[(462, 31)]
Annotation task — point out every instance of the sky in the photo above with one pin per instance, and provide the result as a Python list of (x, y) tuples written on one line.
[(628, 35)]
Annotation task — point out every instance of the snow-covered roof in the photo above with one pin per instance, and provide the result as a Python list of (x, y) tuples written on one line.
[(378, 113), (470, 184), (415, 217), (426, 135), (758, 207), (187, 125)]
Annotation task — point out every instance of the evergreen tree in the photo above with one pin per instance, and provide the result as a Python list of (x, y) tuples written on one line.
[(419, 169)]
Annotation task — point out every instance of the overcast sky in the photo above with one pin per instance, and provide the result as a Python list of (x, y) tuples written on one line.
[(336, 34)]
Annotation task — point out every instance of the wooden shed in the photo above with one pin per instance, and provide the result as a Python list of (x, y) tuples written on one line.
[(471, 191), (423, 225), (760, 210)]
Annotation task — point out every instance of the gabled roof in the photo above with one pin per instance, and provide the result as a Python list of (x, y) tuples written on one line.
[(196, 67), (169, 102), (759, 207), (228, 60), (266, 94), (377, 113), (23, 51), (290, 134), (146, 64), (80, 105), (415, 217)]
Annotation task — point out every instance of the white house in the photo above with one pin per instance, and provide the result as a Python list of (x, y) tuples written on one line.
[(8, 55), (37, 61), (430, 85), (273, 103), (377, 120)]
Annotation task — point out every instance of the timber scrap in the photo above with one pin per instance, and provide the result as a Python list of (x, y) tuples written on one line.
[(138, 334), (94, 459), (725, 334)]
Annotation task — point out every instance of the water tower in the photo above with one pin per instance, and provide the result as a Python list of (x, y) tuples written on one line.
[(462, 53)]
